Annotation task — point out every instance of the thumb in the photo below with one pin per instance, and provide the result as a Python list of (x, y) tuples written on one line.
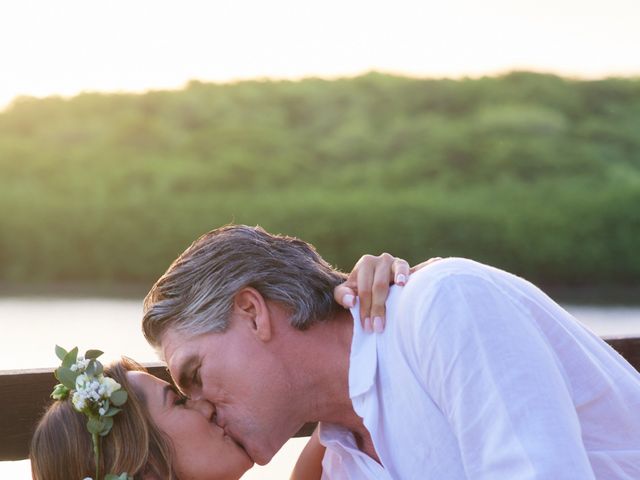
[(345, 295)]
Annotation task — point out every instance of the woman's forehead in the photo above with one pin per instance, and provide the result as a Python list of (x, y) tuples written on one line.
[(150, 386)]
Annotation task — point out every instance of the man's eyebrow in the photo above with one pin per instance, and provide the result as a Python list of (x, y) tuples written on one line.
[(184, 372)]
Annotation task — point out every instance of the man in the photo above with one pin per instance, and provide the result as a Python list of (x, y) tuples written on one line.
[(477, 375)]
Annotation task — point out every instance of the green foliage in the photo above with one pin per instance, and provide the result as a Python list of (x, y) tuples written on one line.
[(60, 392), (122, 476), (70, 358), (93, 354), (60, 352), (119, 398), (66, 377), (533, 173), (94, 368), (95, 425)]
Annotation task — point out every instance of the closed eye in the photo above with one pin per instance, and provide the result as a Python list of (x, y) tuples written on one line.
[(180, 400), (178, 397)]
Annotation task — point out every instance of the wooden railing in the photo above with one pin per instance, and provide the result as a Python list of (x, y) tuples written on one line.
[(24, 395)]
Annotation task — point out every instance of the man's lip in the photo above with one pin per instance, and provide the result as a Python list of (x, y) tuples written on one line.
[(237, 442), (231, 437)]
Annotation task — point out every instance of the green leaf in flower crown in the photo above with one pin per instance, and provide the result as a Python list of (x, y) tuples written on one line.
[(60, 352), (91, 368), (67, 377), (119, 397), (112, 411), (94, 368), (70, 358), (122, 476), (92, 354), (94, 425), (60, 392), (107, 423)]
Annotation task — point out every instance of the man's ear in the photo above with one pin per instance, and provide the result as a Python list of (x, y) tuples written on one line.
[(250, 305)]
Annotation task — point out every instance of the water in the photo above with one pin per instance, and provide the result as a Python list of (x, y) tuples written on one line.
[(30, 327)]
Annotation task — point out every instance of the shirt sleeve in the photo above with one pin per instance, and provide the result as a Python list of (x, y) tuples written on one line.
[(492, 373)]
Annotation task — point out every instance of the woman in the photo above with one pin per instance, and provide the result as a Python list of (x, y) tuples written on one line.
[(159, 434)]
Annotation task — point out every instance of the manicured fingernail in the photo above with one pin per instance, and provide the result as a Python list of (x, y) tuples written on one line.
[(349, 300), (401, 279), (378, 327), (367, 325)]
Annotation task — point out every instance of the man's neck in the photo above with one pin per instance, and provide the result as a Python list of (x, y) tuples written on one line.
[(323, 371)]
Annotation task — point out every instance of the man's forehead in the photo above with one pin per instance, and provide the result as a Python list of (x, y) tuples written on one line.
[(180, 353), (176, 347)]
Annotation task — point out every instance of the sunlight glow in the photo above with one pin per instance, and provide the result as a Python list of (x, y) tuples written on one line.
[(70, 46)]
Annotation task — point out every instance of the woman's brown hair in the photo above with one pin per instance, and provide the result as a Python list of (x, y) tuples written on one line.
[(61, 447)]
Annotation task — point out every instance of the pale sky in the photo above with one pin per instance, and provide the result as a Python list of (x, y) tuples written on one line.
[(68, 46)]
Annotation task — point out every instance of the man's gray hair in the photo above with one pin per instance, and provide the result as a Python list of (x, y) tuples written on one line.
[(195, 295)]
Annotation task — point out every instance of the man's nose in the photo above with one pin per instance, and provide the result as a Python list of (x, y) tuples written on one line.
[(202, 406), (195, 394), (195, 391)]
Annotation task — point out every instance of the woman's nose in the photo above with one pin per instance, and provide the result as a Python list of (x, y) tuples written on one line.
[(203, 407)]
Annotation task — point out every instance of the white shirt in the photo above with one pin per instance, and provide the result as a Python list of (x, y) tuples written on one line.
[(479, 375)]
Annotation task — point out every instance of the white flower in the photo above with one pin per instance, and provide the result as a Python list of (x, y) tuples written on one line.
[(82, 381), (102, 411), (79, 400), (110, 385), (80, 365)]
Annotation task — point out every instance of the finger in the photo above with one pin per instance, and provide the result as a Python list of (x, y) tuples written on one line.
[(415, 268), (432, 260), (365, 281), (380, 291), (400, 271), (345, 295)]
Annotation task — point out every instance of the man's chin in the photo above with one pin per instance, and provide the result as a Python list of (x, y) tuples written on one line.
[(261, 459), (260, 456)]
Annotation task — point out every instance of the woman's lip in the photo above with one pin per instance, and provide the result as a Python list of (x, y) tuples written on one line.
[(229, 437)]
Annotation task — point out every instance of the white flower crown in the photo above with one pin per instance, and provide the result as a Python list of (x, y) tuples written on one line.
[(92, 394)]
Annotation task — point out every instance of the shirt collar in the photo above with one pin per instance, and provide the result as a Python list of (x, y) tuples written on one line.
[(330, 434), (363, 360)]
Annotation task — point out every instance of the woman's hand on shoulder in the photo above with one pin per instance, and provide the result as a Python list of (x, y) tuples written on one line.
[(309, 464), (370, 281)]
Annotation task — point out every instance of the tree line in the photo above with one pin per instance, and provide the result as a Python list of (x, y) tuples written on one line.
[(534, 173)]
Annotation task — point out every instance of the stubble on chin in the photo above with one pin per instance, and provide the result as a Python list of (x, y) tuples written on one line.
[(261, 454)]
